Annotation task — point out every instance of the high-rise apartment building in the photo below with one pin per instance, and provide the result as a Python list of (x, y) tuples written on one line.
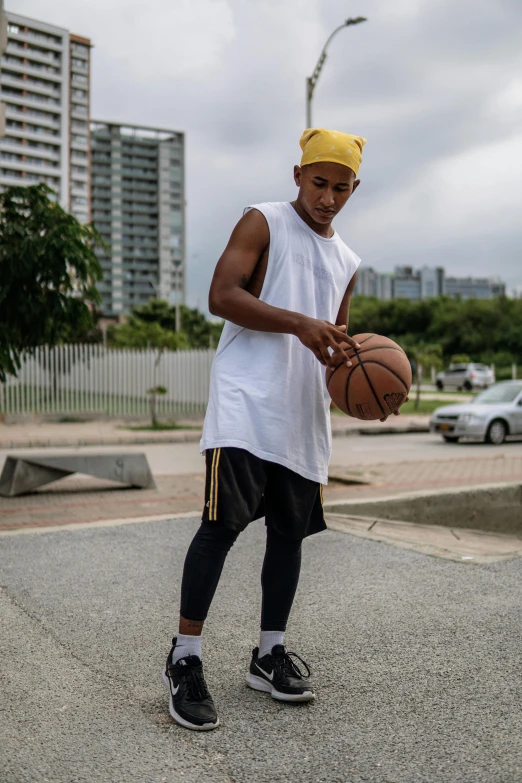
[(138, 206), (79, 127), (3, 45), (44, 84)]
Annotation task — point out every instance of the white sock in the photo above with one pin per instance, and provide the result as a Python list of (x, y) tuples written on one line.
[(267, 639), (186, 645)]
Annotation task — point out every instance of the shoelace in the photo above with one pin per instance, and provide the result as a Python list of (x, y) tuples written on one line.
[(286, 663), (196, 685)]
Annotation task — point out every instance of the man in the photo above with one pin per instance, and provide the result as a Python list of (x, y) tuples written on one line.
[(284, 285)]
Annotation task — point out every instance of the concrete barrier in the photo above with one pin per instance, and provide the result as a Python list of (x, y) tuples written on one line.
[(494, 507)]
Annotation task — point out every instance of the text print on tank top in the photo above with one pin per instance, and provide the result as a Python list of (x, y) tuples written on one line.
[(267, 390)]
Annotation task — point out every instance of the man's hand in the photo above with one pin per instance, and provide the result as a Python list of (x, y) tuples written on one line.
[(320, 336)]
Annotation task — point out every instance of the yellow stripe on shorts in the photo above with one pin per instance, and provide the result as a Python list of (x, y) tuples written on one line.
[(214, 482)]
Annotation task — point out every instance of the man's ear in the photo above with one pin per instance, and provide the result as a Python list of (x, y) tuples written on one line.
[(356, 185), (297, 175)]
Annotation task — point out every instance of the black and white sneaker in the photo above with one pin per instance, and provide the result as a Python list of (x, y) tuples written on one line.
[(190, 703), (278, 673)]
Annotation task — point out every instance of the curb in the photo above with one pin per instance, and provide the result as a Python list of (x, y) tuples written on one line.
[(181, 437), (189, 437), (380, 430)]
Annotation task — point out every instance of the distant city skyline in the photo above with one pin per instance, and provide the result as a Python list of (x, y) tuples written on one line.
[(406, 282)]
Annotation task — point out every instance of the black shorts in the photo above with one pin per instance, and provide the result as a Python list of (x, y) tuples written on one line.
[(241, 487)]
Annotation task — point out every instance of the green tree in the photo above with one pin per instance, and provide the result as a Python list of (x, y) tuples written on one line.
[(459, 358), (484, 330), (200, 332), (142, 334), (48, 273)]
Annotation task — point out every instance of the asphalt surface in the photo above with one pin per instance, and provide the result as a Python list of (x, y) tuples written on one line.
[(416, 664), (413, 447)]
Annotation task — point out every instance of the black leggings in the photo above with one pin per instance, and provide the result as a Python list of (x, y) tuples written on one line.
[(204, 563)]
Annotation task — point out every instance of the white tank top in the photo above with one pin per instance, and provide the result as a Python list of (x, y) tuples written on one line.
[(267, 391)]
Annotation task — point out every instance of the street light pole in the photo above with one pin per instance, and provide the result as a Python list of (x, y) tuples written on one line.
[(312, 80)]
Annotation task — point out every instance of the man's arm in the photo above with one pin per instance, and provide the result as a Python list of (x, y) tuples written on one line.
[(229, 299), (343, 316)]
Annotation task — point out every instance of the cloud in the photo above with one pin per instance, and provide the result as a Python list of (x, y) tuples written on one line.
[(473, 193), (433, 86), (150, 40)]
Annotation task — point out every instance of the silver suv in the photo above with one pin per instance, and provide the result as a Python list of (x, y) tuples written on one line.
[(465, 376)]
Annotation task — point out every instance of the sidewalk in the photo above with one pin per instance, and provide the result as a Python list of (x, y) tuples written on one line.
[(92, 433), (80, 499), (116, 432)]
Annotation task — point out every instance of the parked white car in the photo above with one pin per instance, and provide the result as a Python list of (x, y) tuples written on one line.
[(465, 376), (491, 416)]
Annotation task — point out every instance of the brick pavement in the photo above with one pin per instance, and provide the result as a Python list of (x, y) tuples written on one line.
[(436, 473), (79, 499)]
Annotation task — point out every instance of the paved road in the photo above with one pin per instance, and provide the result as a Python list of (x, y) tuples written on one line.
[(375, 449), (416, 663), (184, 458)]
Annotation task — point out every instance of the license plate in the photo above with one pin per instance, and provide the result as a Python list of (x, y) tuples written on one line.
[(444, 427)]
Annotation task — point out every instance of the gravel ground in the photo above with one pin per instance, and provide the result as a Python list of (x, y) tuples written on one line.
[(416, 664)]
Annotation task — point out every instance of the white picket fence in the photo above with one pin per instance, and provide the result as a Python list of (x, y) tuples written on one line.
[(78, 379)]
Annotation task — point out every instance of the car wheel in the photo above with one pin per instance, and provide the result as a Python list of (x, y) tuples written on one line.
[(439, 385), (497, 432), (451, 438), (468, 386)]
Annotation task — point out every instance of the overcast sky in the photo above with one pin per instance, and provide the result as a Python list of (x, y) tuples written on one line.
[(435, 87)]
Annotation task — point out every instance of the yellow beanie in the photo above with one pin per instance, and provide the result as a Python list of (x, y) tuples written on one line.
[(320, 145)]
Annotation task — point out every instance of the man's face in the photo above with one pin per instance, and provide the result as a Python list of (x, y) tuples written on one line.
[(324, 189)]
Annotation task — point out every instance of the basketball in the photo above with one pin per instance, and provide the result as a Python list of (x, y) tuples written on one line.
[(376, 384)]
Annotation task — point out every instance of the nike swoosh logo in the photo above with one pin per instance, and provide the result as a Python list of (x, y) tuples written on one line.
[(270, 676), (175, 690)]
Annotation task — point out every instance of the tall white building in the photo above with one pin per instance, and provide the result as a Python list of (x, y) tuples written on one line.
[(366, 281), (431, 281), (3, 44), (44, 84), (372, 283)]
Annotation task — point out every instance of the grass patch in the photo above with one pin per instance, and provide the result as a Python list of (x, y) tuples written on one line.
[(425, 406), (160, 426), (449, 392)]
